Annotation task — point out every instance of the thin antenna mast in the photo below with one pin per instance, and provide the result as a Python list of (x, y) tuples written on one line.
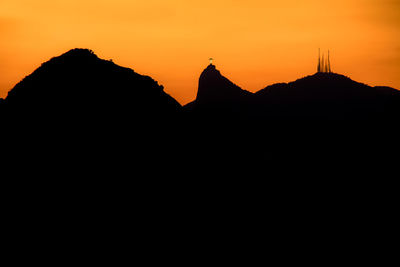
[(319, 60), (329, 62)]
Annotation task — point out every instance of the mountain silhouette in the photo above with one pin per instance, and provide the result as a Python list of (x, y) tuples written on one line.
[(90, 101), (326, 96), (215, 88), (322, 96), (80, 86), (80, 116), (218, 96), (322, 121)]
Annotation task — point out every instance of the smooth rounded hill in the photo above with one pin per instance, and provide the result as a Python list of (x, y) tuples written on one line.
[(79, 85), (327, 96)]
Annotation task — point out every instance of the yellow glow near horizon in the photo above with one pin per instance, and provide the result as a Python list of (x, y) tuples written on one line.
[(254, 43)]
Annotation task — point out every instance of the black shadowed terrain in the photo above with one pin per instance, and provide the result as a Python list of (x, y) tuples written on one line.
[(98, 154), (327, 97), (218, 98), (78, 87), (77, 111), (89, 137), (77, 104), (320, 97)]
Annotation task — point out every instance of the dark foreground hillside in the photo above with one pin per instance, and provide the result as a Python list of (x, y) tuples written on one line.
[(328, 97), (323, 97), (96, 152), (78, 87), (80, 114)]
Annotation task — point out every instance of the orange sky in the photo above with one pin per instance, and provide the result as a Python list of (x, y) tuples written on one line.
[(254, 42)]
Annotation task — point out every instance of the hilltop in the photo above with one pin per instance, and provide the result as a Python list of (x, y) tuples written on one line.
[(321, 96), (78, 110), (78, 84)]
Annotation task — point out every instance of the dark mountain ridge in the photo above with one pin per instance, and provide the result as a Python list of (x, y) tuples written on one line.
[(80, 116), (78, 84), (328, 96), (178, 164), (322, 96), (215, 88), (225, 127), (218, 96), (320, 86)]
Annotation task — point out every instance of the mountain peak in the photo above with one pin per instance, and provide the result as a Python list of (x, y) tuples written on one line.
[(75, 58), (210, 70), (79, 52), (214, 87), (210, 67), (81, 83)]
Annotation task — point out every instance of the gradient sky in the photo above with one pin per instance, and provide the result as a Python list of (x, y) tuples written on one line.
[(254, 43)]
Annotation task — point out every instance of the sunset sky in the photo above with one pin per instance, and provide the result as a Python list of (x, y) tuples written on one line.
[(255, 43)]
